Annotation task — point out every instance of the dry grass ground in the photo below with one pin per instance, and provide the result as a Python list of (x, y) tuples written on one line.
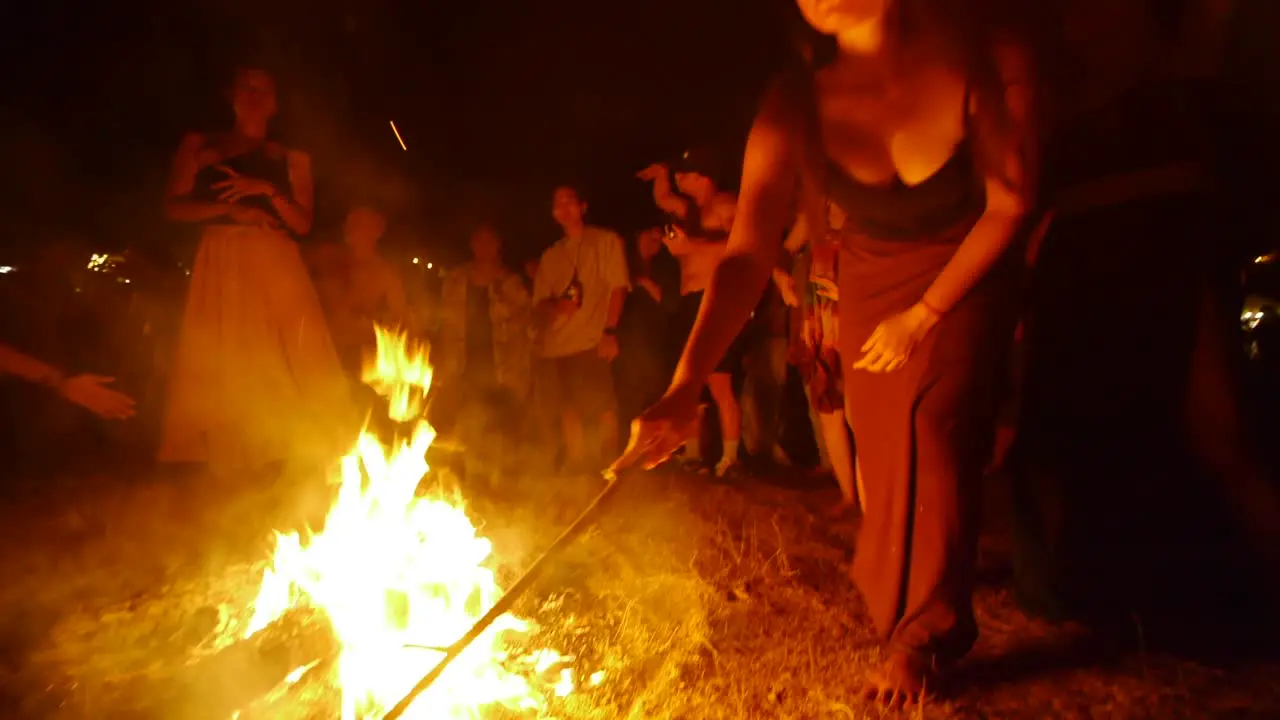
[(696, 601)]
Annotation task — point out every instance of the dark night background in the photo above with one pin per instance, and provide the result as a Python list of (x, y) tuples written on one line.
[(497, 101)]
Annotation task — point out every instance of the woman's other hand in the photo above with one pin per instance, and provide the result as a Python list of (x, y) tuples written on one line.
[(891, 343), (237, 186), (91, 393), (661, 430)]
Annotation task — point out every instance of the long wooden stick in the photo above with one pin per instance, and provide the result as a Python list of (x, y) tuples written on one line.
[(500, 608)]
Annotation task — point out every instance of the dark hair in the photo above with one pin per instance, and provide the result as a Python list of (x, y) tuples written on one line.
[(481, 225), (635, 261), (239, 71), (574, 187)]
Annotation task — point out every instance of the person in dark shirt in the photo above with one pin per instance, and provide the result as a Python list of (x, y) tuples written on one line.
[(647, 355)]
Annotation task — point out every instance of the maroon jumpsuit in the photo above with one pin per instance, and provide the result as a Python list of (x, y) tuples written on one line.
[(924, 431)]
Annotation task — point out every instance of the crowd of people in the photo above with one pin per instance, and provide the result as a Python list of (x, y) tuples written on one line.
[(905, 204)]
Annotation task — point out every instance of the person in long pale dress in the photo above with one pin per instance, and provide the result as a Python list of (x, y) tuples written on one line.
[(256, 379)]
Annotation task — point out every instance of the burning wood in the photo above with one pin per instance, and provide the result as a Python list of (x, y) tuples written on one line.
[(221, 684), (500, 608), (401, 578)]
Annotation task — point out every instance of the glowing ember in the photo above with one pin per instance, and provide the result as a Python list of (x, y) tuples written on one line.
[(398, 138), (401, 577)]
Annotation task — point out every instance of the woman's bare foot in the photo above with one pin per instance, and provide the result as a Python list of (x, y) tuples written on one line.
[(900, 682)]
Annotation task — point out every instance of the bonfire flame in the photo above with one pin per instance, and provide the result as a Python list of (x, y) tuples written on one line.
[(402, 577)]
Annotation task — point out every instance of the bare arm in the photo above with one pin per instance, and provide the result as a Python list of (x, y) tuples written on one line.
[(798, 236), (666, 200), (764, 208), (178, 205), (88, 391), (28, 368), (296, 211), (615, 260), (700, 249), (1006, 198)]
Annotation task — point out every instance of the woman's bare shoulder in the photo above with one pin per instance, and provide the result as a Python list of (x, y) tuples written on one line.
[(785, 94)]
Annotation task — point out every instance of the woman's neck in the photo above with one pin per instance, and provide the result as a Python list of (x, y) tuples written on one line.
[(251, 130), (863, 41)]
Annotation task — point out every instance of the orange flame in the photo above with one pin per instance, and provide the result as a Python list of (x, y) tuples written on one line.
[(400, 576)]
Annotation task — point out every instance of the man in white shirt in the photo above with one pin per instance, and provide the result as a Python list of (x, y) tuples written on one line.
[(581, 284)]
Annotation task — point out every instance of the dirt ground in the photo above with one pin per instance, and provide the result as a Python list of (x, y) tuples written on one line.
[(696, 599)]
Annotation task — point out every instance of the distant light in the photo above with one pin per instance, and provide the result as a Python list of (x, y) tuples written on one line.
[(6, 269), (428, 266), (397, 132), (97, 260), (415, 261)]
